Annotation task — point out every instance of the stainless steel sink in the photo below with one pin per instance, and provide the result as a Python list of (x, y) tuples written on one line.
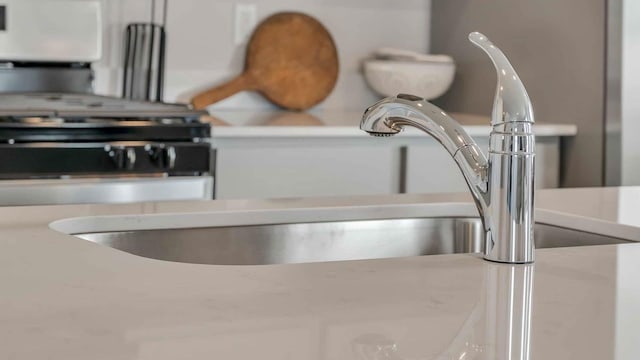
[(324, 241)]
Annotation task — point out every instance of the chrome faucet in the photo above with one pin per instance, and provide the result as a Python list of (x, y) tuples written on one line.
[(503, 185)]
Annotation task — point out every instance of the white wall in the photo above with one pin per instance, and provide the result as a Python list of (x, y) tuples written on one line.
[(631, 93), (201, 50)]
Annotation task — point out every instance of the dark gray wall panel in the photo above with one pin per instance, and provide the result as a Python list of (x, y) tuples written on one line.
[(557, 47)]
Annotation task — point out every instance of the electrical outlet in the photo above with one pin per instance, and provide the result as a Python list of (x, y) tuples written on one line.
[(246, 16)]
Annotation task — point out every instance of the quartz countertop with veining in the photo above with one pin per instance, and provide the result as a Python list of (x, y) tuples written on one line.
[(66, 298)]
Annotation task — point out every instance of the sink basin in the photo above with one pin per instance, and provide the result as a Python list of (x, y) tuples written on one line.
[(324, 241)]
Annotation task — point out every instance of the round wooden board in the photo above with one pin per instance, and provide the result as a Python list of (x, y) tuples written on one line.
[(291, 59)]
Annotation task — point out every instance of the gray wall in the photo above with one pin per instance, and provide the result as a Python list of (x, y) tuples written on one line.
[(558, 49)]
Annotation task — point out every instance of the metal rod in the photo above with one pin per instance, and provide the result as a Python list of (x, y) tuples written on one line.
[(152, 28), (161, 60), (127, 54), (134, 60)]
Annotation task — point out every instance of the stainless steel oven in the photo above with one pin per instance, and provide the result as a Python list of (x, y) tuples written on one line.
[(61, 143), (80, 148)]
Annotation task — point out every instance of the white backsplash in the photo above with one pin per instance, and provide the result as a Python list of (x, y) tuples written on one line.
[(201, 50)]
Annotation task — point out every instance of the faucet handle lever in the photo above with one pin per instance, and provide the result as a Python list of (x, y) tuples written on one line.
[(511, 103)]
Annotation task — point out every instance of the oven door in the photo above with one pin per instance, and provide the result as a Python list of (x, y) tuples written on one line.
[(125, 158), (104, 190), (42, 173)]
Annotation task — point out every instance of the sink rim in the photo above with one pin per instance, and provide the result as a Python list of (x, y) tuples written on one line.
[(322, 242), (225, 218)]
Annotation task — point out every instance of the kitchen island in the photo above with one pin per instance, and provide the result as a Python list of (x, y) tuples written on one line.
[(266, 154), (67, 298)]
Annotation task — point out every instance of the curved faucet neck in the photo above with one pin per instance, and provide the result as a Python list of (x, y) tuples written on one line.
[(394, 113)]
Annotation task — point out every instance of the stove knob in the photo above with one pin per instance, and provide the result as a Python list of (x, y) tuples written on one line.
[(124, 158), (163, 156)]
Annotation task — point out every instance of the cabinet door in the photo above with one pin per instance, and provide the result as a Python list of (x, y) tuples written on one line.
[(430, 168), (314, 170)]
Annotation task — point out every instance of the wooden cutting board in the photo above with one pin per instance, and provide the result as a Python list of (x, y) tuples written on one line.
[(291, 59)]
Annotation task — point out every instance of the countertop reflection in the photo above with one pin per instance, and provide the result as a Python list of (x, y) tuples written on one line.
[(498, 327)]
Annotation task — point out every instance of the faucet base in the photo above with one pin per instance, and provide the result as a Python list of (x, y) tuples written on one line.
[(509, 215)]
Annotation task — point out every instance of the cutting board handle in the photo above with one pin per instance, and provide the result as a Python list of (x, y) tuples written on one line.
[(217, 93)]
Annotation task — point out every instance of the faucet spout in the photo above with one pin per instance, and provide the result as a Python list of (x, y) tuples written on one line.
[(389, 116), (502, 185)]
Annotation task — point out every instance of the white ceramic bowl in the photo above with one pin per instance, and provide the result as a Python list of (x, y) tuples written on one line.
[(425, 79)]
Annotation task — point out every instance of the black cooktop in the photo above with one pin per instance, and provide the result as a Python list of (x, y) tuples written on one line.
[(54, 117), (80, 106)]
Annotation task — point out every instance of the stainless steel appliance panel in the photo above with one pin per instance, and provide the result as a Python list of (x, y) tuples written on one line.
[(31, 79), (51, 31), (104, 190)]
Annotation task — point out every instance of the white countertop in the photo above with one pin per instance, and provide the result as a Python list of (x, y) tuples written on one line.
[(338, 124), (66, 298)]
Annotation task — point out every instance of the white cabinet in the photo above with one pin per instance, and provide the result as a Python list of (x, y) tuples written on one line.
[(262, 169), (430, 168), (325, 166)]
